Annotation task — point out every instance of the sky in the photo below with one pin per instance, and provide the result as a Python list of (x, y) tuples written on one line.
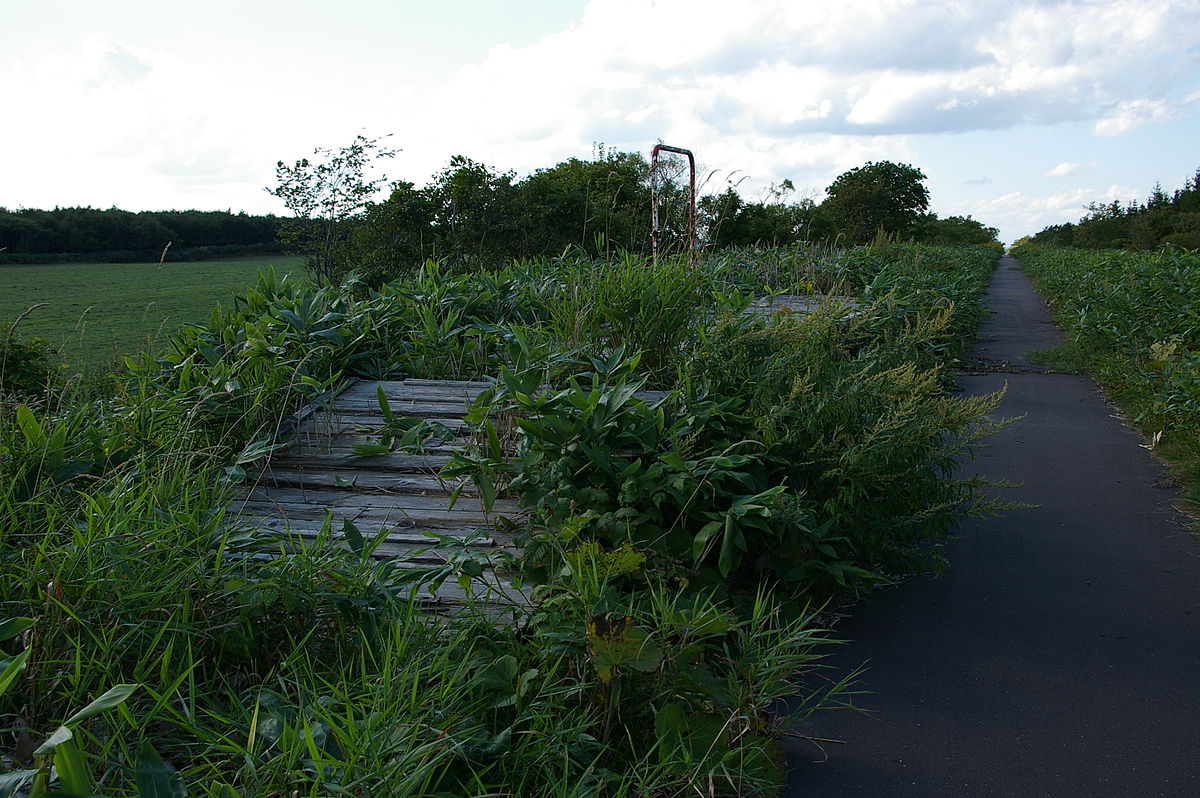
[(1020, 113)]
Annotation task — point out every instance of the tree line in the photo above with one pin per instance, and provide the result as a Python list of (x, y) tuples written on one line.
[(1162, 219), (473, 213), (117, 236)]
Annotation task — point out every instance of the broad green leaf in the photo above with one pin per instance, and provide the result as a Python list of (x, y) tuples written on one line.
[(499, 676), (12, 667), (472, 568), (14, 626), (617, 642), (223, 791), (235, 474), (56, 448), (700, 542), (32, 430), (455, 494), (60, 736), (493, 441), (384, 407), (353, 536), (725, 559), (72, 772), (257, 450), (670, 725), (155, 778), (487, 491), (674, 460), (117, 695)]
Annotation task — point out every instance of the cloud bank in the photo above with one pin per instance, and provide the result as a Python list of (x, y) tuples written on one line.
[(777, 89), (758, 77), (764, 90)]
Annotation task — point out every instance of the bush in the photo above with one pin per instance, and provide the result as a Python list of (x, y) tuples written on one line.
[(29, 370), (812, 452)]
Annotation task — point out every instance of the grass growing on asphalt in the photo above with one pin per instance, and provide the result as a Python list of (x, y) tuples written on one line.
[(1131, 320)]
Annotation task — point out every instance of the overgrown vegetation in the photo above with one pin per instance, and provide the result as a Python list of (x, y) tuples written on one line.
[(1131, 320), (674, 541), (29, 369)]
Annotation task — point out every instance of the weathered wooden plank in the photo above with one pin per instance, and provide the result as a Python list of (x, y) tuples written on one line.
[(367, 480), (356, 407), (421, 553), (488, 590), (341, 497), (431, 463), (388, 514), (480, 384), (308, 451), (311, 528), (421, 409), (327, 425), (490, 593), (416, 390), (492, 587), (803, 305)]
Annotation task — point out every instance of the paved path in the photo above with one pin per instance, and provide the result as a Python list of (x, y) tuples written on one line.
[(1060, 655)]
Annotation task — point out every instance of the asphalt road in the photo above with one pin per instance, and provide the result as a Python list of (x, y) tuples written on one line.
[(1060, 655)]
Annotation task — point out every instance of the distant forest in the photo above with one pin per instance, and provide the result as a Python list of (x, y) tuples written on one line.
[(1162, 219), (92, 235)]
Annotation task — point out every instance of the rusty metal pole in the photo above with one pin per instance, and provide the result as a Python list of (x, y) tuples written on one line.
[(654, 232)]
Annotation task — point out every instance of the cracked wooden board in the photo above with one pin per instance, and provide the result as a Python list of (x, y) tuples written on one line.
[(312, 487)]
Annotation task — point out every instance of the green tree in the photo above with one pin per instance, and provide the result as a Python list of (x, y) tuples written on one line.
[(877, 196), (395, 235), (1105, 227), (728, 220), (324, 197), (955, 230), (476, 215), (586, 203), (1062, 235)]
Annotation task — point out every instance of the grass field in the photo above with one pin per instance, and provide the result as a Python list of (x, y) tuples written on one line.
[(95, 312)]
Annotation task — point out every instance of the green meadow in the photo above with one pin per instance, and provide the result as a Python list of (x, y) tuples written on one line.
[(95, 312)]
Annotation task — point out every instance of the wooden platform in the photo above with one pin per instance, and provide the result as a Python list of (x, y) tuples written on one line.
[(319, 482), (786, 304)]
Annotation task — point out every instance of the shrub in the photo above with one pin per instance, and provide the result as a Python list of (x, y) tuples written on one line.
[(29, 370)]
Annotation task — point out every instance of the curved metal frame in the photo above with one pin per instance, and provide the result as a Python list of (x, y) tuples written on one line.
[(654, 233)]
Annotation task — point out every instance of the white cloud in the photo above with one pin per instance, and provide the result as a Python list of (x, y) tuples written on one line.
[(107, 122), (1131, 114), (750, 82), (1069, 168), (1019, 213), (771, 89)]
